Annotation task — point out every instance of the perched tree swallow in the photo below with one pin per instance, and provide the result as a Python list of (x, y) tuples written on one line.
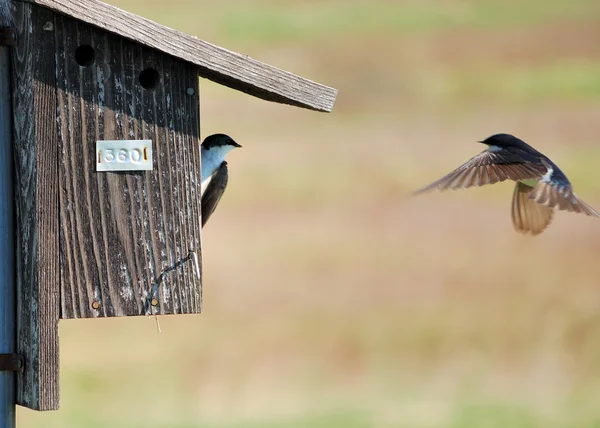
[(214, 171), (541, 185)]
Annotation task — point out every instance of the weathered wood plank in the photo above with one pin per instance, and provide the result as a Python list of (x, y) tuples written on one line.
[(36, 196), (8, 293), (5, 13), (128, 234), (220, 65)]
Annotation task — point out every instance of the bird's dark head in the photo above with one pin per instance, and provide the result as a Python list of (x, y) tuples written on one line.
[(503, 140), (219, 140)]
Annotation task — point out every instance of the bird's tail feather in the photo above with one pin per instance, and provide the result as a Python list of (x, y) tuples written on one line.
[(563, 198)]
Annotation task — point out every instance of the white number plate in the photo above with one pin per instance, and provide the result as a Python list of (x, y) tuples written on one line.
[(124, 155)]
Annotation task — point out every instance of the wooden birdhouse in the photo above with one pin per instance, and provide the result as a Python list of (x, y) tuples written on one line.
[(106, 131)]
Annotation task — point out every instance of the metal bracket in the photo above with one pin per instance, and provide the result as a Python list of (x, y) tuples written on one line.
[(11, 363), (8, 36)]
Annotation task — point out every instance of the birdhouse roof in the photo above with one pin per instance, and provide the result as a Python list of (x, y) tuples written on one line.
[(215, 63)]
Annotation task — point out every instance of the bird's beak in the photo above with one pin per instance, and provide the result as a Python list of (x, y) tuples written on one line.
[(236, 145)]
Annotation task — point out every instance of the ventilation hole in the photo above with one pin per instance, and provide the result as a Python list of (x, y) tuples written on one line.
[(149, 78), (85, 55)]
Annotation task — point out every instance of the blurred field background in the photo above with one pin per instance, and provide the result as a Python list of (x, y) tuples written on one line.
[(330, 298)]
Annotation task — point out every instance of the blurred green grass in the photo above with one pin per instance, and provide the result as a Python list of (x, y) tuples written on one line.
[(563, 81), (272, 22), (330, 298)]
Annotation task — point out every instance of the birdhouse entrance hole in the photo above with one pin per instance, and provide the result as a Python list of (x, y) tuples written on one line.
[(149, 78), (85, 55)]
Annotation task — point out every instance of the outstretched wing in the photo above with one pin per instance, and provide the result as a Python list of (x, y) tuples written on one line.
[(213, 192), (527, 215), (490, 167)]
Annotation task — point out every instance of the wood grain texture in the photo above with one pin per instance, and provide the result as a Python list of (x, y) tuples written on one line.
[(126, 236), (5, 13), (36, 196), (220, 65), (8, 293)]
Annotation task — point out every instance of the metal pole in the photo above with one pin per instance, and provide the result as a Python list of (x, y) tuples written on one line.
[(7, 276)]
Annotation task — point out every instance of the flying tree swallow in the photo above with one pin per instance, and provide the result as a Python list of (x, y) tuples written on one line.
[(214, 171), (541, 185)]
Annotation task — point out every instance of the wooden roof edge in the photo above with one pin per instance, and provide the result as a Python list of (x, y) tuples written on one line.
[(220, 65)]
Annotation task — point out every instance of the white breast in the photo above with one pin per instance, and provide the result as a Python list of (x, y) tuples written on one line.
[(212, 159)]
